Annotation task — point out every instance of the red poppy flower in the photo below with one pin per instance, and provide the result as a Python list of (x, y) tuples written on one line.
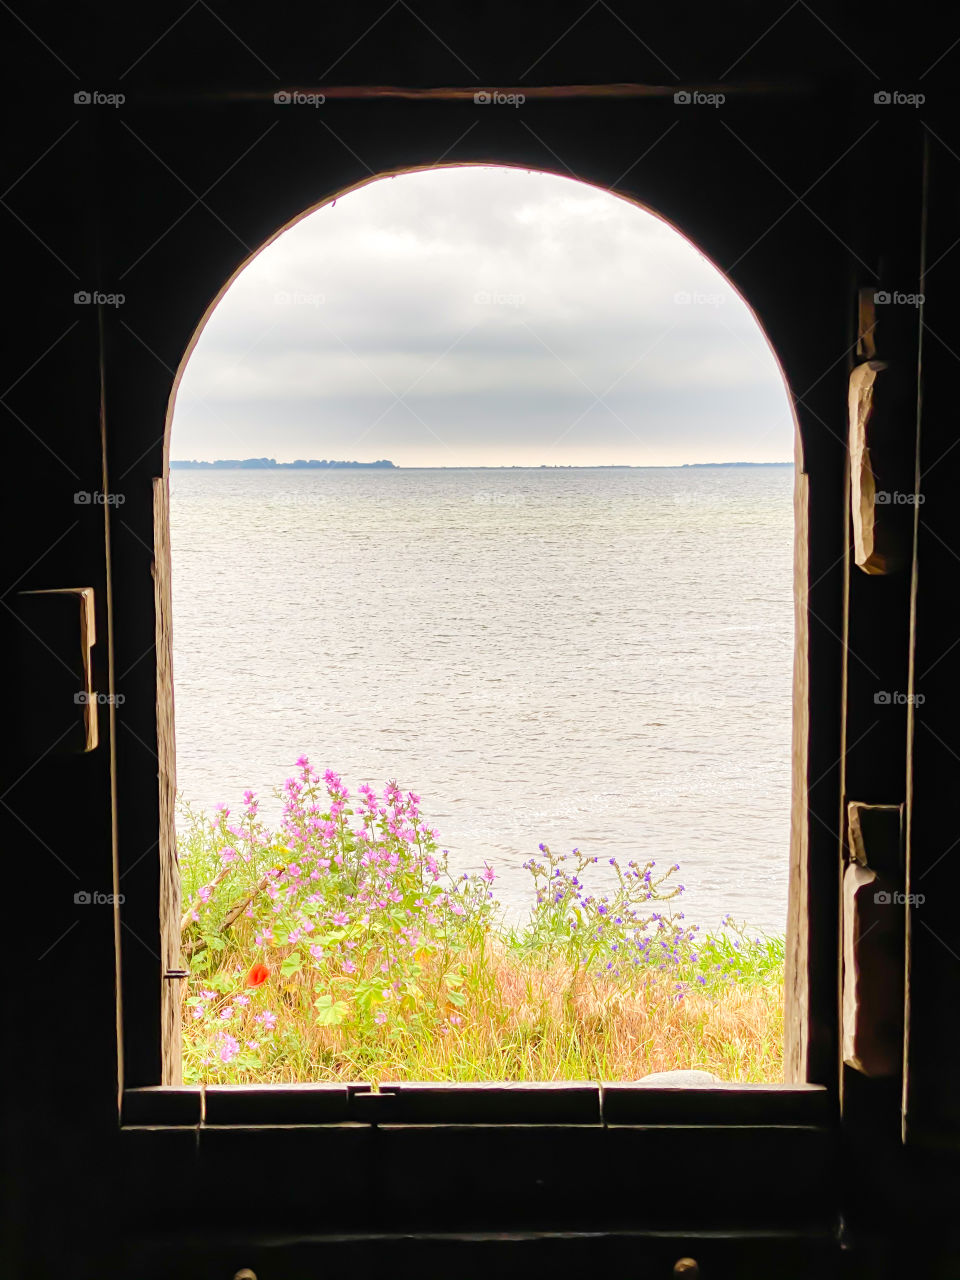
[(258, 975)]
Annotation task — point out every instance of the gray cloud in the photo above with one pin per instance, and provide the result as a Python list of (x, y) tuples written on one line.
[(474, 316)]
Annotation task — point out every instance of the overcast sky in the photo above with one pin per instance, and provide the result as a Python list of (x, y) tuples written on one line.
[(482, 316)]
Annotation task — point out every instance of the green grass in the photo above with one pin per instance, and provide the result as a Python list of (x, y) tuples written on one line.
[(337, 947)]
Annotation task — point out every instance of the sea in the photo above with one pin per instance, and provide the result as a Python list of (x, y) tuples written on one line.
[(592, 658)]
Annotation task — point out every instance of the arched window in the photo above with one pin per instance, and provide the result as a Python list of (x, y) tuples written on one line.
[(564, 618)]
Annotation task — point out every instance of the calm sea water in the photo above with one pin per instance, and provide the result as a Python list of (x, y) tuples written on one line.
[(592, 658)]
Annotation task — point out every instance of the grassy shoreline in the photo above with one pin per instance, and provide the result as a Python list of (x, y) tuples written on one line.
[(338, 948)]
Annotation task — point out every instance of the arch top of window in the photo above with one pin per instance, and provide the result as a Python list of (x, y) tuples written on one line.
[(628, 197)]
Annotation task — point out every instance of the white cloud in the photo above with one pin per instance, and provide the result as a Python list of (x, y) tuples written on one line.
[(499, 303)]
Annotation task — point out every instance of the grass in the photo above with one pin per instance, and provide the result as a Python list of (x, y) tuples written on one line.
[(527, 1023), (338, 949)]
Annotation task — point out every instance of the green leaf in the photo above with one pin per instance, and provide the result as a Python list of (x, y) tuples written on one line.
[(292, 964), (330, 1012), (335, 935), (368, 995), (457, 998)]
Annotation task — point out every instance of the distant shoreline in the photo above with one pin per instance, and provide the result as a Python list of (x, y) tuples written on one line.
[(270, 464)]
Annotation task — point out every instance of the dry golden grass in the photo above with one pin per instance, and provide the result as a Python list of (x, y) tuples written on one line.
[(526, 1022)]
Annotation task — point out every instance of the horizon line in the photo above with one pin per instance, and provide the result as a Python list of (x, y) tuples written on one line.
[(227, 464)]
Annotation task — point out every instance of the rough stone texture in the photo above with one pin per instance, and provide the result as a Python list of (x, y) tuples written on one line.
[(874, 836), (867, 548), (873, 943)]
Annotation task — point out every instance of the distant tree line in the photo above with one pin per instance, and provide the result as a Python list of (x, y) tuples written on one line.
[(262, 464)]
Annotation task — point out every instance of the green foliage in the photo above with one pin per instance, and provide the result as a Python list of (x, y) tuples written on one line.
[(339, 946)]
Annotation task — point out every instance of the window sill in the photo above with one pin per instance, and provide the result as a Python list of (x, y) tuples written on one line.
[(476, 1104)]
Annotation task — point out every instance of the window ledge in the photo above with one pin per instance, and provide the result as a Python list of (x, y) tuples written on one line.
[(620, 1104)]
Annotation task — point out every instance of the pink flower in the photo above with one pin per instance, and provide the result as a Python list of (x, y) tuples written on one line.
[(229, 1047), (340, 918), (489, 874)]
